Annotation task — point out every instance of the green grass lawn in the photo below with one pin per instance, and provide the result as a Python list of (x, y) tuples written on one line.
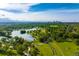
[(45, 50), (58, 49), (68, 48)]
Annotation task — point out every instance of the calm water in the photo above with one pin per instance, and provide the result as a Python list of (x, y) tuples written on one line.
[(25, 36)]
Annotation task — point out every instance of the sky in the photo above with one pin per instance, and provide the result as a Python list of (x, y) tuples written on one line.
[(40, 12)]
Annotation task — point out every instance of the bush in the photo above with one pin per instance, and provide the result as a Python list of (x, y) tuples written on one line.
[(77, 42)]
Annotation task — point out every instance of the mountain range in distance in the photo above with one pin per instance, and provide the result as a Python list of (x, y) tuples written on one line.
[(6, 20)]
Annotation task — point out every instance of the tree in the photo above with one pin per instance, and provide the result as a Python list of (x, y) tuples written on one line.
[(34, 51), (23, 32), (77, 42), (11, 52)]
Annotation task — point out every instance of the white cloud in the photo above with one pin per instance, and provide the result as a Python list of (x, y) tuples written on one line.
[(3, 5), (49, 15), (23, 7)]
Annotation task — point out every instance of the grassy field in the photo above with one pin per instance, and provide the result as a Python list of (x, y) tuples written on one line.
[(58, 49), (68, 48)]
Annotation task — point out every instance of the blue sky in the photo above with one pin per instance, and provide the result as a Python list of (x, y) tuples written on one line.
[(54, 6), (40, 12)]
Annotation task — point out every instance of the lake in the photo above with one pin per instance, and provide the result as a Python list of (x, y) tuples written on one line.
[(25, 35)]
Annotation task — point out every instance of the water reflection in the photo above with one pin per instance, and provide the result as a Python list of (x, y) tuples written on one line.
[(25, 35)]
